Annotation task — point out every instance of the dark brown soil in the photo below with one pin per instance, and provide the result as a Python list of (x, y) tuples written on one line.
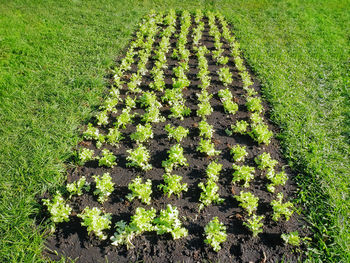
[(72, 240)]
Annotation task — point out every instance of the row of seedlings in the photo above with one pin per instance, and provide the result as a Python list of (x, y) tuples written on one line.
[(215, 231), (96, 219), (259, 132), (146, 220)]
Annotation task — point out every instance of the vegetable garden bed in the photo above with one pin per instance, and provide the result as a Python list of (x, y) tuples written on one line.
[(136, 171)]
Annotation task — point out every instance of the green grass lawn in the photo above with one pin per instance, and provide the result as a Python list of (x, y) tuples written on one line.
[(54, 56)]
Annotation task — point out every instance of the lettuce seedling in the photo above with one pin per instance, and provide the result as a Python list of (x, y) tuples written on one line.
[(204, 109), (254, 104), (169, 222), (205, 129), (134, 83), (264, 161), (140, 190), (142, 134), (248, 201), (104, 187), (141, 222), (226, 98), (280, 209), (172, 185), (255, 118), (292, 238), (152, 115), (243, 173), (139, 158), (207, 147), (225, 76), (124, 118), (107, 159), (158, 80), (130, 102), (102, 118), (86, 155), (276, 179), (240, 127), (175, 159), (93, 133), (254, 224), (213, 171), (110, 104), (114, 136), (209, 194), (172, 95), (215, 232), (58, 208), (179, 110), (148, 99), (177, 133), (95, 221), (76, 188), (261, 133), (238, 153)]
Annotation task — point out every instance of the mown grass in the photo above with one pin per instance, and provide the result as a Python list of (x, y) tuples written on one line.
[(53, 59)]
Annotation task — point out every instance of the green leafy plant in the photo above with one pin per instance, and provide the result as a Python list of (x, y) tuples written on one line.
[(229, 106), (93, 133), (204, 109), (104, 187), (172, 96), (240, 127), (152, 114), (215, 232), (179, 110), (254, 224), (149, 98), (140, 190), (177, 133), (209, 194), (141, 222), (207, 147), (175, 159), (205, 130), (261, 133), (139, 158), (142, 133), (134, 83), (58, 208), (225, 76), (255, 118), (102, 118), (114, 136), (86, 155), (107, 159), (280, 209), (238, 153), (243, 173), (95, 221), (168, 222), (110, 104), (76, 188), (213, 171), (172, 185), (130, 102), (248, 201), (254, 104), (292, 238), (264, 161), (276, 179), (124, 118)]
